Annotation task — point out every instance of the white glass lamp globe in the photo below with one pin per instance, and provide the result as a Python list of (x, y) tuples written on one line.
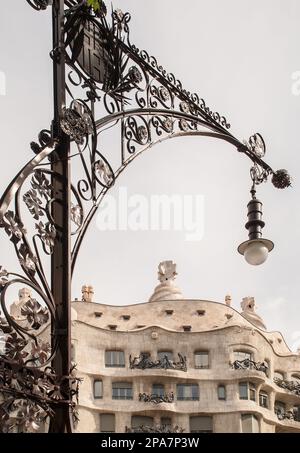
[(256, 253)]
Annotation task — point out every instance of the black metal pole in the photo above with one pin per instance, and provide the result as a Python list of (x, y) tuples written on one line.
[(61, 258)]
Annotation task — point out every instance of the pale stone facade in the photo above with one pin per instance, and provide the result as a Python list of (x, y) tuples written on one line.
[(210, 339)]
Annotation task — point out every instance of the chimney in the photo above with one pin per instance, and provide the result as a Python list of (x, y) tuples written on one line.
[(87, 293)]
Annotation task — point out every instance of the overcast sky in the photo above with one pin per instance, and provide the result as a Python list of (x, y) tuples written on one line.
[(241, 57)]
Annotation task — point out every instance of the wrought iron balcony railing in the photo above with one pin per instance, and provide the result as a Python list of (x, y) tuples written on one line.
[(154, 429), (291, 386), (248, 364), (143, 362), (157, 399)]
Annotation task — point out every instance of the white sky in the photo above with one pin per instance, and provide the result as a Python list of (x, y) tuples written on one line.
[(240, 57)]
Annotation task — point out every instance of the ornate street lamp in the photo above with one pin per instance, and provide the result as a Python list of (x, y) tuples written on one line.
[(102, 83)]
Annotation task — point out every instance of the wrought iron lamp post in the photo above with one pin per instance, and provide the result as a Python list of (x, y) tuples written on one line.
[(102, 82)]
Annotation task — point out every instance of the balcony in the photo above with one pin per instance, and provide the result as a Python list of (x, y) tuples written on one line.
[(157, 399), (248, 364), (163, 429), (290, 386), (144, 362)]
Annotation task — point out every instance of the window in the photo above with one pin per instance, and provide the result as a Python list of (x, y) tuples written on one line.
[(278, 375), (169, 312), (222, 392), (187, 392), (202, 360), (264, 399), (201, 424), (187, 328), (158, 390), (242, 355), (247, 391), (98, 388), (122, 391), (296, 411), (107, 423), (252, 392), (145, 355), (163, 354), (137, 421), (73, 352), (115, 359), (250, 423)]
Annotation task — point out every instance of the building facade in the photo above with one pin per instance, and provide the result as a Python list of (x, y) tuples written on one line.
[(176, 365)]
